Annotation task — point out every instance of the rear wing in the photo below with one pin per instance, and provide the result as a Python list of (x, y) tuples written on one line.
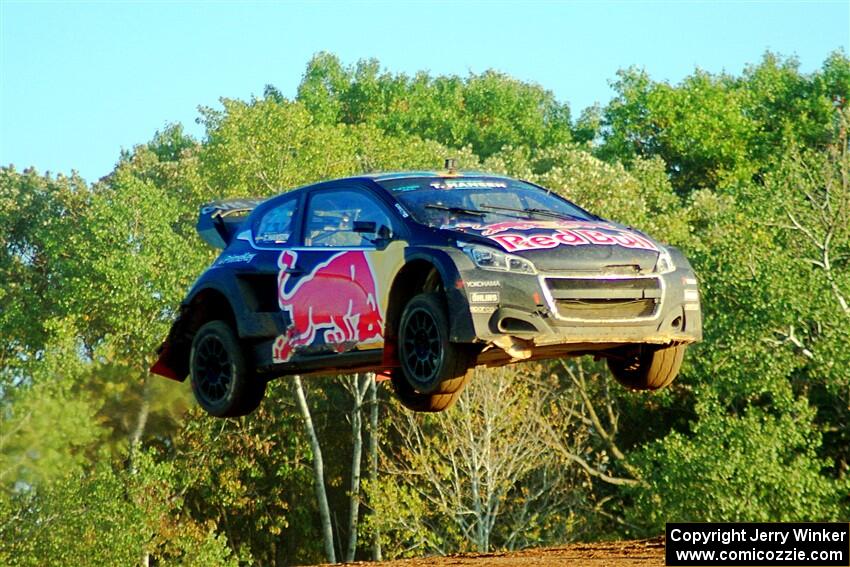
[(218, 222)]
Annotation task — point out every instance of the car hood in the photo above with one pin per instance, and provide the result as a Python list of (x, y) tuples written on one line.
[(568, 245)]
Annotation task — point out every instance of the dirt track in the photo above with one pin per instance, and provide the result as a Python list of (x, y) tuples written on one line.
[(615, 554)]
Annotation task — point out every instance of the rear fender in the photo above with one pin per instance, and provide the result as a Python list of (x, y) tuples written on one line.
[(204, 304)]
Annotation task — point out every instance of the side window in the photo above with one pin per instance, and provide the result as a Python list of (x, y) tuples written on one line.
[(275, 227), (344, 217)]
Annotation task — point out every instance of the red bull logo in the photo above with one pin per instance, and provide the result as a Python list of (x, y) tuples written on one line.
[(336, 301), (498, 227), (513, 242), (560, 233)]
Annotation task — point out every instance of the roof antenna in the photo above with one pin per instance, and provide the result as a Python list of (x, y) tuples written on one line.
[(451, 165)]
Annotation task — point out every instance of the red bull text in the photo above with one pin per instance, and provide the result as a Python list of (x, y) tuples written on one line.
[(563, 233), (578, 237)]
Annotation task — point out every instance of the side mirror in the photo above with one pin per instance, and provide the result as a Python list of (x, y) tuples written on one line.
[(384, 233)]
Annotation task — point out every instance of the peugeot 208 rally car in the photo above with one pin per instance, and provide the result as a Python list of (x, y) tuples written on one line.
[(422, 276)]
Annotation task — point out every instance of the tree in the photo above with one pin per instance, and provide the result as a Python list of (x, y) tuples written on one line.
[(106, 516), (251, 479), (318, 472), (811, 210), (48, 430), (747, 174), (730, 469), (357, 386), (719, 131), (485, 111), (37, 214), (473, 477)]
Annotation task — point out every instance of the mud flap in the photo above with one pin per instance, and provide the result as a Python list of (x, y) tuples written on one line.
[(163, 366)]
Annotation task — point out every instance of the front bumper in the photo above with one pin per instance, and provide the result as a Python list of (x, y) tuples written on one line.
[(588, 311)]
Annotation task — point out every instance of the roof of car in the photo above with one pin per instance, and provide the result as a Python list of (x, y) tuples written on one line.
[(393, 175), (386, 176)]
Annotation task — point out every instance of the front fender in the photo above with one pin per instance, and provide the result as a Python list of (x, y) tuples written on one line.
[(445, 259)]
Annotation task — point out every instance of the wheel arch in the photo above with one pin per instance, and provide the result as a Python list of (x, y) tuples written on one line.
[(204, 304), (209, 304), (414, 277), (426, 271)]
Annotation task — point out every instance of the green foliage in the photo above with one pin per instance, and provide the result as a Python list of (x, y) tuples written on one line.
[(697, 128), (754, 467), (106, 517), (264, 147), (478, 476), (46, 427), (486, 111), (253, 478), (717, 130), (36, 214)]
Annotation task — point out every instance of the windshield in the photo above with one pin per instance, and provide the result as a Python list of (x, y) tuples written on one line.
[(448, 202)]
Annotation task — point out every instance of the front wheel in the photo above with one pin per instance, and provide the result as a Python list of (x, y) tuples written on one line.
[(416, 401), (433, 370), (222, 381), (647, 367)]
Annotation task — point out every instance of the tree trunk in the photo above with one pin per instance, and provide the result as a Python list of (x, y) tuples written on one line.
[(141, 424), (358, 392), (136, 441), (373, 456), (358, 388), (318, 470)]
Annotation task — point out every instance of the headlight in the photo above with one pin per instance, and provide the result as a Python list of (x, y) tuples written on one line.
[(488, 258), (665, 264)]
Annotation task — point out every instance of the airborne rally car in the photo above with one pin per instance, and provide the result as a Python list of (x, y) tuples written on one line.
[(423, 275)]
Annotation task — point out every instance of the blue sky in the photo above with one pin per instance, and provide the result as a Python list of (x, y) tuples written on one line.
[(79, 81)]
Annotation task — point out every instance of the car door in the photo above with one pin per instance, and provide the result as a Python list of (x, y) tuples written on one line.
[(274, 229), (334, 286)]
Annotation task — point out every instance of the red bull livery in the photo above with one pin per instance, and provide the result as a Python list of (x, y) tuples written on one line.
[(422, 276), (337, 298)]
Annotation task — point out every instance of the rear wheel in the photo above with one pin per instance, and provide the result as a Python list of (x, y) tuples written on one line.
[(647, 367), (433, 370), (222, 381)]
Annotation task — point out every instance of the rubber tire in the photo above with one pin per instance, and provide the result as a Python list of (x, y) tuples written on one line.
[(430, 403), (451, 375), (246, 389), (651, 368)]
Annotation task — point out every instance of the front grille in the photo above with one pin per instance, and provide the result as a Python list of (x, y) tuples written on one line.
[(605, 299)]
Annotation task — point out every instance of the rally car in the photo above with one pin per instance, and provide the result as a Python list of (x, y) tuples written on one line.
[(420, 276)]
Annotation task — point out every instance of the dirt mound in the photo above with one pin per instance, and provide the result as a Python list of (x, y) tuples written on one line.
[(614, 553)]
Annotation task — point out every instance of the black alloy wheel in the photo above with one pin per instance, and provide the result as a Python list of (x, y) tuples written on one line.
[(222, 382), (423, 350), (213, 370), (433, 370)]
